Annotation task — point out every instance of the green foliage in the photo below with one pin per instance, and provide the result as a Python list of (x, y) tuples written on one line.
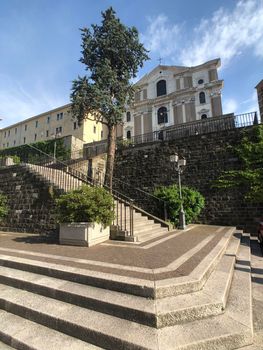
[(250, 176), (3, 206), (124, 143), (32, 154), (193, 202), (112, 54), (15, 158), (87, 204)]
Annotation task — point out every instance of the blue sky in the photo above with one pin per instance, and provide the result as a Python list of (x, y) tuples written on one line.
[(40, 46)]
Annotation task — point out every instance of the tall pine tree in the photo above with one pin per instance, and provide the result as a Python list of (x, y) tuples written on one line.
[(112, 55)]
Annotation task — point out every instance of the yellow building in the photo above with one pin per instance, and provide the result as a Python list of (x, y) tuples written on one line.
[(46, 126)]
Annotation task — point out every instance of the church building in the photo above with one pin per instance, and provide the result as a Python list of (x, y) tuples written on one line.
[(171, 95)]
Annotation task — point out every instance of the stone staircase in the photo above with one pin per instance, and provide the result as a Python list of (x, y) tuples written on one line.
[(145, 226), (49, 305)]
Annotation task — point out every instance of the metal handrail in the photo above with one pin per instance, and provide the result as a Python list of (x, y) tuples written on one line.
[(124, 203)]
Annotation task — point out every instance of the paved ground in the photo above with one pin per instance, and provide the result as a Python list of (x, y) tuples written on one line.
[(148, 260), (176, 254)]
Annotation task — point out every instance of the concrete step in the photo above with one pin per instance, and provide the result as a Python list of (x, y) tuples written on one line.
[(21, 333), (231, 329), (211, 300), (150, 230), (130, 285), (91, 326), (130, 307), (4, 346), (150, 236)]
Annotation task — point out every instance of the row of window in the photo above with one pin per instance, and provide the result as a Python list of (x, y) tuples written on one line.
[(58, 131), (162, 119), (161, 86), (59, 117), (161, 111)]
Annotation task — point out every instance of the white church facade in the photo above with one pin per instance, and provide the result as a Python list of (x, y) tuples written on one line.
[(171, 95)]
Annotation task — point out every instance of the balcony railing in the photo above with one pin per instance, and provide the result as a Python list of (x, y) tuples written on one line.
[(198, 127)]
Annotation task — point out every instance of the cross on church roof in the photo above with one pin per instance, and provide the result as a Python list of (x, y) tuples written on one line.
[(160, 60)]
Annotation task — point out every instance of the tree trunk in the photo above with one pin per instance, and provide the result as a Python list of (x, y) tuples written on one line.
[(110, 156)]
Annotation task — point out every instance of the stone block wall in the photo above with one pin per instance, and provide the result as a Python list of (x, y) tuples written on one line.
[(30, 200), (147, 166)]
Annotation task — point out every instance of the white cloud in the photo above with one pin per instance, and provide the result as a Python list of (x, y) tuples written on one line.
[(226, 34), (251, 104), (161, 36), (230, 105), (16, 103)]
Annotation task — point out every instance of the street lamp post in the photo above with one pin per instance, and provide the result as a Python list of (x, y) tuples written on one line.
[(178, 165)]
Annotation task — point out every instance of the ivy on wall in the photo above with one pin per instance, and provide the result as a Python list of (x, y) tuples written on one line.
[(30, 153), (250, 176)]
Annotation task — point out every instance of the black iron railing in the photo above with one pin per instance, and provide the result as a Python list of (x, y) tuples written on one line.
[(66, 178), (209, 125)]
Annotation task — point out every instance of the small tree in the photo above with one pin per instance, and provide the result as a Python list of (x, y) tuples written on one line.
[(112, 55), (193, 202), (250, 176)]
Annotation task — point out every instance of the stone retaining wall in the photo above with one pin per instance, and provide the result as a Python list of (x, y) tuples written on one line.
[(30, 200), (147, 166)]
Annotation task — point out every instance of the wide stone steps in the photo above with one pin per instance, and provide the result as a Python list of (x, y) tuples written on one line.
[(169, 311), (101, 309), (22, 333)]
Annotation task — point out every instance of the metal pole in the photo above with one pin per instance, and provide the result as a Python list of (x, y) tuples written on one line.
[(181, 213), (55, 149)]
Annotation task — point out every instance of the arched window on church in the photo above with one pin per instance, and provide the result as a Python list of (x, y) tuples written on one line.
[(204, 116), (202, 97), (162, 115), (128, 134), (161, 88)]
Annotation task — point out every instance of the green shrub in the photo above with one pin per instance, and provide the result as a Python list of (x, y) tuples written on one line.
[(3, 206), (193, 202), (249, 177), (87, 204)]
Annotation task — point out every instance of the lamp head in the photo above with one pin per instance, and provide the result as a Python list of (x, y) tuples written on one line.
[(174, 158)]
